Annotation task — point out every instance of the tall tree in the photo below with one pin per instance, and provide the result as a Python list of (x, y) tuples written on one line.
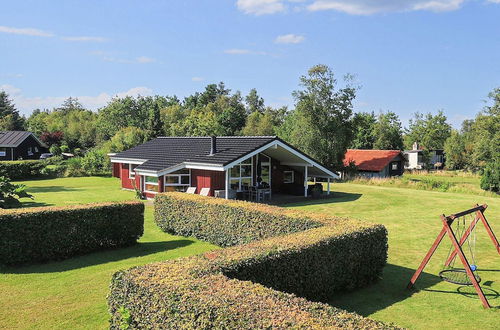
[(388, 132), (155, 125), (321, 122), (429, 131), (454, 149), (10, 120), (254, 102), (363, 130)]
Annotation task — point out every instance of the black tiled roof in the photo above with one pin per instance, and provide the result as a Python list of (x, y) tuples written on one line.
[(165, 152), (12, 138)]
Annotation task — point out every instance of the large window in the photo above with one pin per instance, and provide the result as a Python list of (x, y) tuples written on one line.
[(151, 184), (241, 175), (265, 169), (288, 177), (3, 152), (131, 171), (178, 181)]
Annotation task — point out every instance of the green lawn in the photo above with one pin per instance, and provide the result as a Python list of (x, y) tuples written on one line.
[(412, 219), (72, 293)]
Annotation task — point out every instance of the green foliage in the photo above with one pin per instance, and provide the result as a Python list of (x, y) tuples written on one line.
[(74, 167), (96, 162), (10, 120), (490, 179), (55, 150), (321, 123), (388, 132), (263, 123), (10, 193), (78, 125), (254, 103), (428, 131), (53, 233), (155, 125), (364, 125), (125, 139), (221, 223), (22, 169), (454, 148), (240, 287)]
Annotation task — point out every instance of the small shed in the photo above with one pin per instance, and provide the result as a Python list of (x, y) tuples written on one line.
[(16, 145), (376, 163)]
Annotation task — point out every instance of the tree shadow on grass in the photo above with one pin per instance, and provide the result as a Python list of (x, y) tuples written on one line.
[(97, 258), (51, 189), (392, 289), (34, 204), (389, 290), (334, 197)]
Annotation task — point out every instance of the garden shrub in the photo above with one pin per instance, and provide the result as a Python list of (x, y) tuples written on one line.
[(490, 179), (53, 233), (21, 169), (222, 223), (307, 256)]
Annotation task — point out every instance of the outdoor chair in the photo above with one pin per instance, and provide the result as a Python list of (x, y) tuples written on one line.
[(204, 191), (191, 190)]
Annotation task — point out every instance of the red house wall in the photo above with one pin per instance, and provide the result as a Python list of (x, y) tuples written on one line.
[(116, 170), (126, 182), (215, 180)]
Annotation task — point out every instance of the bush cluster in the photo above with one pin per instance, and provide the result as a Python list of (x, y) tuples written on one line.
[(21, 169), (225, 224), (261, 284), (53, 233)]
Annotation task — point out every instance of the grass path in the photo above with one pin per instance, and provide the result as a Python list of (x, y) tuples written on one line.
[(412, 219), (71, 294)]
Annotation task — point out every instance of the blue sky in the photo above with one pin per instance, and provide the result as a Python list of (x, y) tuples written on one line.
[(407, 55)]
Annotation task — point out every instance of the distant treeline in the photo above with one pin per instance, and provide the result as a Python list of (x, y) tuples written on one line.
[(321, 123)]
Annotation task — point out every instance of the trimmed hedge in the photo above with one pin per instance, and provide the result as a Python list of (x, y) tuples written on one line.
[(22, 169), (225, 224), (54, 233), (241, 286)]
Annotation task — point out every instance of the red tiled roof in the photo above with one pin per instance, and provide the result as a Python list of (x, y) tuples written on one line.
[(370, 160)]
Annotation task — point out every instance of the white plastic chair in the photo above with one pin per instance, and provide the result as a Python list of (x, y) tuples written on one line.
[(204, 191), (191, 190)]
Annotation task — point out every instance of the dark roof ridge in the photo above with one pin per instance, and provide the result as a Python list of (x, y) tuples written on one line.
[(219, 137)]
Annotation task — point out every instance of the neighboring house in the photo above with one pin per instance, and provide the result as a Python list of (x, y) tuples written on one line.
[(228, 163), (376, 163), (415, 158), (16, 145)]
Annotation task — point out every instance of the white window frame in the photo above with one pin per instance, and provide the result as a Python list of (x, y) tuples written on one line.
[(293, 176), (396, 165), (30, 151), (144, 182), (239, 178), (131, 172), (269, 164), (179, 180)]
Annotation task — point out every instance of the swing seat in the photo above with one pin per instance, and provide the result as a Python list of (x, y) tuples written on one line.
[(457, 276)]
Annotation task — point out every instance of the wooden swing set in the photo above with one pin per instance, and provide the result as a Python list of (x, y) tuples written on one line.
[(468, 275)]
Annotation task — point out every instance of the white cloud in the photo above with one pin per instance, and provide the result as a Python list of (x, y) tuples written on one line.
[(84, 39), (107, 58), (369, 7), (289, 39), (260, 7), (27, 104), (145, 59), (197, 79), (238, 51), (25, 31)]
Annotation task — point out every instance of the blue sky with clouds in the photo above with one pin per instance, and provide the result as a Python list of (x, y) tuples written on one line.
[(407, 55)]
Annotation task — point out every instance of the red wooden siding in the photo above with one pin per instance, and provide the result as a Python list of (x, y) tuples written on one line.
[(215, 180), (126, 182), (116, 170)]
